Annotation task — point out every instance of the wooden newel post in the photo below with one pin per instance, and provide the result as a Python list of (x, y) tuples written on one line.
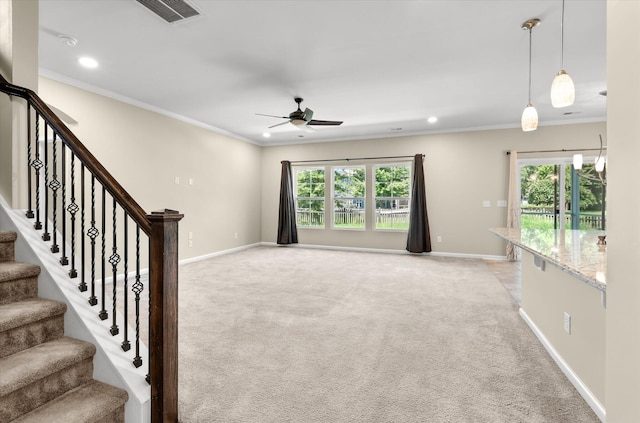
[(163, 323)]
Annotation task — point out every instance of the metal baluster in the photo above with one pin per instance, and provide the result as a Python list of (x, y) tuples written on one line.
[(29, 212), (103, 312), (46, 236), (82, 286), (114, 260), (64, 260), (54, 185), (72, 208), (126, 346), (137, 289), (148, 377), (37, 165), (93, 233)]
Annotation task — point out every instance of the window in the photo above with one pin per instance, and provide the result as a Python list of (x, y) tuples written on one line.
[(393, 187), (349, 197), (309, 184)]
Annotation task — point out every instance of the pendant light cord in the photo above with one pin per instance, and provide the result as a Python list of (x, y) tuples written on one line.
[(562, 37), (530, 65)]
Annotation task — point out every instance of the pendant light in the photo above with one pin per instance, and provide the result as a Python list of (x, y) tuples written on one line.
[(529, 119), (563, 92)]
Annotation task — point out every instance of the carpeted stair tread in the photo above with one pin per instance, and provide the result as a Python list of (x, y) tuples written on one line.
[(12, 270), (7, 249), (8, 236), (25, 367), (87, 403), (24, 312)]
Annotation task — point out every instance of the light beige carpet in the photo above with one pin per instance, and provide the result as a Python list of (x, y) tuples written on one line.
[(276, 334)]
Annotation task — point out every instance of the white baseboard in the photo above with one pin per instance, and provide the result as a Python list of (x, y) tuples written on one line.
[(385, 251), (219, 253), (584, 391)]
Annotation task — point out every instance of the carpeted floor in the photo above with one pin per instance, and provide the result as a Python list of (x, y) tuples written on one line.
[(299, 335)]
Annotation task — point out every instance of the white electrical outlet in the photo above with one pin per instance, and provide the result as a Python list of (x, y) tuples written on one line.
[(177, 180), (235, 235), (486, 203), (567, 323), (438, 238), (190, 243), (190, 181)]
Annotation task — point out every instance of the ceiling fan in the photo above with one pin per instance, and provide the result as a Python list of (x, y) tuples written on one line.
[(302, 119)]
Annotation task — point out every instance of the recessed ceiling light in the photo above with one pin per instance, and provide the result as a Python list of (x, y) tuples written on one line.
[(432, 119), (266, 134), (88, 62)]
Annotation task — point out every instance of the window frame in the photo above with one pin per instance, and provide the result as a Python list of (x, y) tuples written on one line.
[(298, 169), (334, 198), (376, 198)]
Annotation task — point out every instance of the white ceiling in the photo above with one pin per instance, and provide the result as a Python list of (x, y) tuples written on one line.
[(376, 65)]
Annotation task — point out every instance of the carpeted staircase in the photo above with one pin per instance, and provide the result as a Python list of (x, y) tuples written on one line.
[(45, 376)]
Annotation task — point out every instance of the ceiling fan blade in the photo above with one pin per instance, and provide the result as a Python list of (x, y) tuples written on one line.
[(280, 117), (279, 124), (308, 114), (325, 122)]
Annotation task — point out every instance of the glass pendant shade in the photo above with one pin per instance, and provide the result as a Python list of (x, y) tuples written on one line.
[(577, 161), (529, 118), (600, 164), (563, 92)]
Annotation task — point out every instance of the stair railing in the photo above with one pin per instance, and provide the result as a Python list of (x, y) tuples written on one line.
[(71, 193)]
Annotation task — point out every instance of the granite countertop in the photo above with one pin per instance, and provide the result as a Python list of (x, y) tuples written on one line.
[(575, 252)]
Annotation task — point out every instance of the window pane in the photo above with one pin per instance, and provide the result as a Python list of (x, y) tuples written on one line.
[(349, 197), (392, 196), (310, 197)]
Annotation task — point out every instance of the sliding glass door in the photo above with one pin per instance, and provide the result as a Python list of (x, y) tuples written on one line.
[(554, 195)]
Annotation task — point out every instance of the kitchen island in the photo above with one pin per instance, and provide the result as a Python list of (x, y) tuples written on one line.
[(563, 295)]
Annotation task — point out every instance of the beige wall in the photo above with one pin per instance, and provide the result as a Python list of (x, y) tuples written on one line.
[(145, 151), (19, 65), (623, 232), (461, 171), (546, 296)]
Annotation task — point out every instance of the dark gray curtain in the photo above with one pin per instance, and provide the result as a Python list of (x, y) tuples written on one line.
[(287, 230), (418, 240)]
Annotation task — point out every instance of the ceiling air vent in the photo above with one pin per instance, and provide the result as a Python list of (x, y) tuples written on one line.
[(170, 10)]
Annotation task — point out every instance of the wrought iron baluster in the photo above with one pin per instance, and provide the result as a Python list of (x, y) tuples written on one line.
[(54, 185), (114, 260), (93, 233), (137, 289), (82, 286), (72, 208), (103, 314), (46, 236), (37, 165), (126, 346), (29, 212), (64, 260)]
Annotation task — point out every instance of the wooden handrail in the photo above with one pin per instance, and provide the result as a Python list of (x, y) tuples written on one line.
[(90, 162)]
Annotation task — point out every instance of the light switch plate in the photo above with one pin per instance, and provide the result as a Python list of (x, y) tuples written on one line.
[(486, 203)]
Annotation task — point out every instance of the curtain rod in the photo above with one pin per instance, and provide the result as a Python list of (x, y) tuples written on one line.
[(357, 158), (558, 151)]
